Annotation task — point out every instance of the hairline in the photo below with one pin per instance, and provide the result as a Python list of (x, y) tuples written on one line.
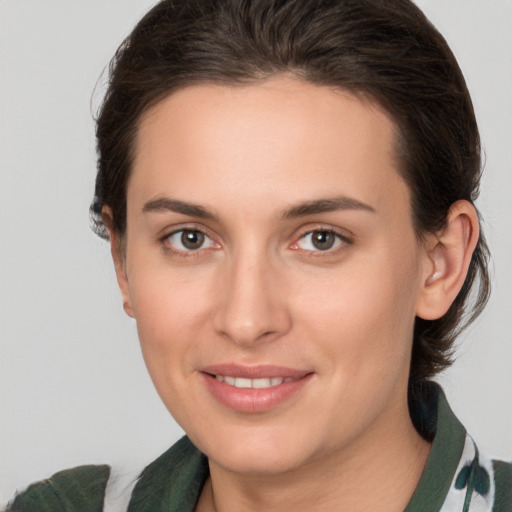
[(399, 145)]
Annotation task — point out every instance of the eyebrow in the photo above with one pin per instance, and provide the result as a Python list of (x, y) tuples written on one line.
[(326, 205), (166, 204)]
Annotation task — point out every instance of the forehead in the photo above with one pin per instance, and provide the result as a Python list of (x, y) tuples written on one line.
[(278, 137)]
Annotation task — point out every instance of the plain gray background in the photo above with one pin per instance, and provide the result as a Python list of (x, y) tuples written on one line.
[(74, 389)]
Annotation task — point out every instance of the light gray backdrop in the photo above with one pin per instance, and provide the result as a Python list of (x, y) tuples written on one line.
[(73, 386)]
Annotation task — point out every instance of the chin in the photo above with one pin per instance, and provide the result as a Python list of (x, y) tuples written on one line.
[(257, 461), (256, 449)]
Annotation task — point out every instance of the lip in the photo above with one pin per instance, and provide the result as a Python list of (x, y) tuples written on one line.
[(254, 372), (249, 400)]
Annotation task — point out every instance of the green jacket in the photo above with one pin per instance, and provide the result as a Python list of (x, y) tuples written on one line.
[(457, 477)]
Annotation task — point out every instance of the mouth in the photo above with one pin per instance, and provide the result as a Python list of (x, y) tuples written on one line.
[(253, 389), (243, 383)]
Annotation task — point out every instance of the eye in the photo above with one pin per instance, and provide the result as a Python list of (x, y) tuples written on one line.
[(187, 240), (320, 240)]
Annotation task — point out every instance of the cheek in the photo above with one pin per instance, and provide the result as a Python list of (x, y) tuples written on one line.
[(363, 315), (169, 322), (171, 310)]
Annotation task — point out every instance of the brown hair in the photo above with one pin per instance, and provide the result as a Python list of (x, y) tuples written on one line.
[(386, 50)]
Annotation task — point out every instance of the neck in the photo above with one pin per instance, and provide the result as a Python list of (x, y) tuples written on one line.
[(378, 471)]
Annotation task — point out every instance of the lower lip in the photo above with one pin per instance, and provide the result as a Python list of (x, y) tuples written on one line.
[(253, 400)]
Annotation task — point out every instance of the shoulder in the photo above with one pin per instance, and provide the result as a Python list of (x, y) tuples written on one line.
[(458, 476), (80, 489), (173, 482), (480, 482), (503, 485)]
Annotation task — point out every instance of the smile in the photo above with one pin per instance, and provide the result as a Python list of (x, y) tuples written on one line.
[(240, 382), (253, 389)]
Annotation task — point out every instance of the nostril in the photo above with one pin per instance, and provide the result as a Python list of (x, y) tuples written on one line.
[(247, 311)]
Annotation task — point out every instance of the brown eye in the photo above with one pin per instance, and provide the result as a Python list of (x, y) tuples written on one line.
[(320, 240), (192, 240), (186, 240), (323, 240)]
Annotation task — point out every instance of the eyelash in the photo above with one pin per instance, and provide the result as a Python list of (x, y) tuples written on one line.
[(339, 243), (171, 248)]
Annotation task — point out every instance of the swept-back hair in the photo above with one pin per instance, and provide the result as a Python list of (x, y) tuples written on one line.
[(386, 51)]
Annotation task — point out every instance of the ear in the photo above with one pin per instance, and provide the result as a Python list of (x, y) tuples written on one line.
[(117, 250), (447, 257)]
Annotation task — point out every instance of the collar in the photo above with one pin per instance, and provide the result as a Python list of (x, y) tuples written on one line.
[(434, 419)]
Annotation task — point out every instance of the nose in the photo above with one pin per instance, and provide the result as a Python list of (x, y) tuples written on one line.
[(251, 303)]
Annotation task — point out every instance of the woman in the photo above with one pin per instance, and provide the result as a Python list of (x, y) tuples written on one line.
[(288, 190)]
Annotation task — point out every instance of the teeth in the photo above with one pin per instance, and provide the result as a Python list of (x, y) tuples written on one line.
[(240, 382), (264, 383), (243, 383)]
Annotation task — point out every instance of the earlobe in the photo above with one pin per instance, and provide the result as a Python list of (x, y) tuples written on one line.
[(118, 257), (447, 257)]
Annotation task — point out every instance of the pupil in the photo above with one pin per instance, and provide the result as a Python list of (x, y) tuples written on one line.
[(192, 239), (323, 240)]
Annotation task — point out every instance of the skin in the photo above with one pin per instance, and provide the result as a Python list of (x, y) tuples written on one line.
[(259, 292)]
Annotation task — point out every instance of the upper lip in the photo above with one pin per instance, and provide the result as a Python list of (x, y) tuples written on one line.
[(254, 372)]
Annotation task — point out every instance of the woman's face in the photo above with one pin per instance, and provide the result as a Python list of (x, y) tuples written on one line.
[(270, 241)]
